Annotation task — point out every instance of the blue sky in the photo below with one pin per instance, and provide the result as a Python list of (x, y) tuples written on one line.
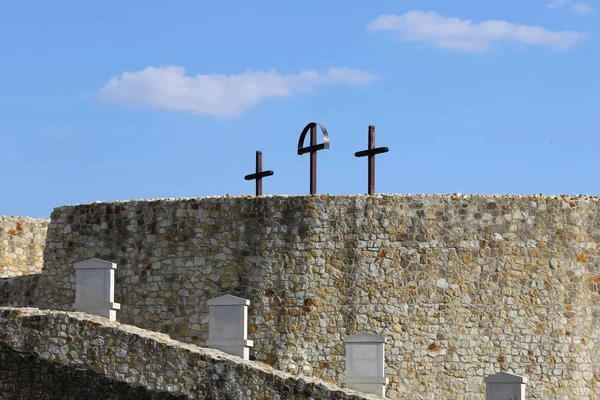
[(119, 100)]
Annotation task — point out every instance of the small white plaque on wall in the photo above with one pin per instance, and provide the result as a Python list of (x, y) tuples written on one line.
[(95, 288), (365, 363), (228, 325)]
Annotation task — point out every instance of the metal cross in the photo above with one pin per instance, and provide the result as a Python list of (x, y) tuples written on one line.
[(259, 174), (312, 149), (371, 152)]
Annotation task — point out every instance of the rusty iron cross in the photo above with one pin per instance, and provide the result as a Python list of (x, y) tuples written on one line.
[(259, 174), (312, 149), (371, 152)]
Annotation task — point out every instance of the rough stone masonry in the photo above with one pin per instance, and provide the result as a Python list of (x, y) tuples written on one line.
[(57, 355), (462, 286), (22, 242)]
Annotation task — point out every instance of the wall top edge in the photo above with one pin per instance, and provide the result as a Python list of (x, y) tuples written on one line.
[(18, 217), (318, 197)]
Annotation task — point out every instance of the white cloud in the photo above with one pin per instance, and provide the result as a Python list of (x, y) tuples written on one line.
[(583, 8), (465, 35), (578, 8), (558, 3), (219, 95)]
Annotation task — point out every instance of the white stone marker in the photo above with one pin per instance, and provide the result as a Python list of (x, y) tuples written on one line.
[(95, 288), (365, 363), (505, 386), (228, 325)]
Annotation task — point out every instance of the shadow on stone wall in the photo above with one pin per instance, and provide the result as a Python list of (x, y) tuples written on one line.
[(18, 291), (50, 354), (25, 376)]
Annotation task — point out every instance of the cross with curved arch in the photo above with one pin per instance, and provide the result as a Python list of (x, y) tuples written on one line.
[(312, 149)]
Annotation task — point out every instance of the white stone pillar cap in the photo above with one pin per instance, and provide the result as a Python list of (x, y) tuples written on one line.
[(365, 337), (97, 306), (95, 263), (505, 377), (228, 300), (368, 380), (230, 342)]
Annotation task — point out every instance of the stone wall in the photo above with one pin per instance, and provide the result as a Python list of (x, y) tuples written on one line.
[(462, 286), (57, 355), (22, 242)]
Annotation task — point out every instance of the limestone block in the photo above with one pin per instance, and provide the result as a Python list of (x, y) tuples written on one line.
[(505, 386), (228, 325), (95, 288), (365, 363)]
